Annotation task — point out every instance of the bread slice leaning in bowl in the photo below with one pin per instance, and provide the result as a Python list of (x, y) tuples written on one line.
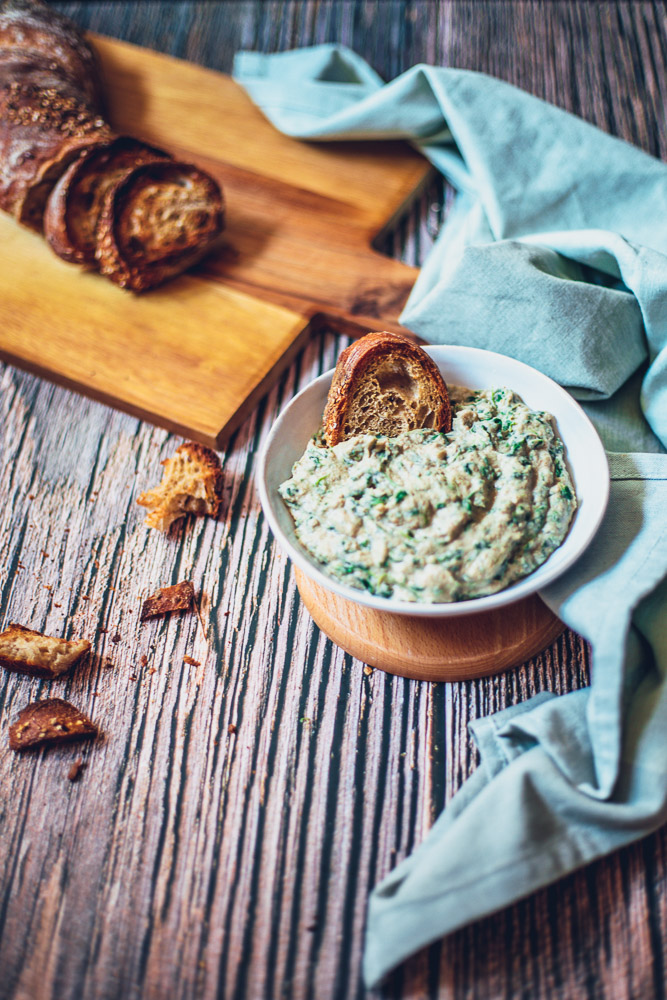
[(385, 384), (157, 221)]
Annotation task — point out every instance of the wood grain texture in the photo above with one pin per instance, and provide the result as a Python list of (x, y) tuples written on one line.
[(224, 835)]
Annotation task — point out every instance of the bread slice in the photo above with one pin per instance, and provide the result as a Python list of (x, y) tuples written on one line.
[(191, 484), (157, 221), (28, 652), (385, 384), (49, 722), (75, 203)]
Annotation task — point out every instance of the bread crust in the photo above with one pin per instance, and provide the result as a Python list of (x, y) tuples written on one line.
[(178, 597), (50, 104), (48, 723), (30, 26), (353, 367), (75, 202), (130, 251)]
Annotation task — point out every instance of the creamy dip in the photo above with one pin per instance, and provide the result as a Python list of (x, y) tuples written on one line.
[(426, 516)]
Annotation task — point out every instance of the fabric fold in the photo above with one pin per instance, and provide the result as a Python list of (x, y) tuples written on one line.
[(555, 253)]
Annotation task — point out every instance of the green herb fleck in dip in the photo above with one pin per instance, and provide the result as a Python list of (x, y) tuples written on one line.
[(434, 517)]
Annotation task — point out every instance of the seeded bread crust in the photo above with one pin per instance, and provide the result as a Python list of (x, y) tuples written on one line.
[(75, 203), (191, 484), (50, 104), (157, 221), (385, 384), (33, 27), (25, 651), (47, 723)]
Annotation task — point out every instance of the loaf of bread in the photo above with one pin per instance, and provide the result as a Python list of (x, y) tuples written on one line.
[(64, 170), (50, 104), (385, 384), (30, 28)]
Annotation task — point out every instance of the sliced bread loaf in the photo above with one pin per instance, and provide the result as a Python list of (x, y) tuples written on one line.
[(385, 384)]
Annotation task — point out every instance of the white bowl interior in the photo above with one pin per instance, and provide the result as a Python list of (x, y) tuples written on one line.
[(475, 369)]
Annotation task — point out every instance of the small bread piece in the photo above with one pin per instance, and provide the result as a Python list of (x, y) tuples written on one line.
[(48, 722), (191, 484), (27, 652), (180, 597), (75, 203), (385, 384), (156, 222)]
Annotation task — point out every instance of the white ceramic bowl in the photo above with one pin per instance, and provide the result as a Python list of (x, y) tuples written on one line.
[(476, 369)]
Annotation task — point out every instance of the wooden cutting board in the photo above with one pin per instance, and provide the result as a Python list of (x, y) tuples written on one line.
[(196, 355)]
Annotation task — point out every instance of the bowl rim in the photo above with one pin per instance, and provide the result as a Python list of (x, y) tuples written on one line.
[(518, 590)]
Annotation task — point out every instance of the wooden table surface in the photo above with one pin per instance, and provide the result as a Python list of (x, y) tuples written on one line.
[(225, 834)]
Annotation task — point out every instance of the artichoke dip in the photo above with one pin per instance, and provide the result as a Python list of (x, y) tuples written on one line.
[(427, 516)]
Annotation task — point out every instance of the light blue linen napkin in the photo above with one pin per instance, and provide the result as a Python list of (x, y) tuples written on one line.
[(556, 254)]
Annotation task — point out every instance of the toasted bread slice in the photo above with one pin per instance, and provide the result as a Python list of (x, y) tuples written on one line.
[(157, 221), (75, 203), (191, 484), (385, 384), (48, 722), (27, 652)]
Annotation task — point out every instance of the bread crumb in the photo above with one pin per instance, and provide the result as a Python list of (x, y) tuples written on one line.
[(368, 670), (231, 728), (144, 661), (191, 662), (75, 770)]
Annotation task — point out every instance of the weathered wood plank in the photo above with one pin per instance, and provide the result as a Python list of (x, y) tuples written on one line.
[(197, 860)]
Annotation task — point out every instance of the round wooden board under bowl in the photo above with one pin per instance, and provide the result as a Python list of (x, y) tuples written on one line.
[(432, 649)]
